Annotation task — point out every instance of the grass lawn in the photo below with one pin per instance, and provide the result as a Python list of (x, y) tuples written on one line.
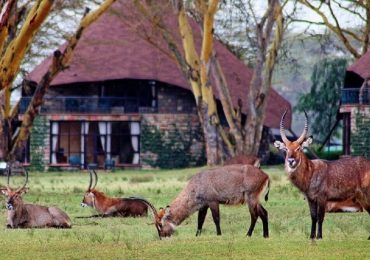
[(345, 235)]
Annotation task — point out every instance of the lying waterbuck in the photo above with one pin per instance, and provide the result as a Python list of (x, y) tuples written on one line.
[(232, 185), (347, 205), (112, 207), (322, 181), (21, 215)]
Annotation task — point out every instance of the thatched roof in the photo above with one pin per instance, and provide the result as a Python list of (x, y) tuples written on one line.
[(111, 49), (362, 66)]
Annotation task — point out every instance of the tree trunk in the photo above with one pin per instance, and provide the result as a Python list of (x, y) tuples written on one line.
[(201, 89), (261, 81), (60, 61)]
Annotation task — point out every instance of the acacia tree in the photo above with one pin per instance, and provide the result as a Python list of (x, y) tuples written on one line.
[(199, 69), (16, 37), (354, 37)]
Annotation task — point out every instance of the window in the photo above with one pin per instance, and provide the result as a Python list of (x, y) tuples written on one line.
[(65, 142), (95, 142), (126, 145)]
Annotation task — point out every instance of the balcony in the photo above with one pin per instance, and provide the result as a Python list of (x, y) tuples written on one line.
[(89, 105), (352, 96)]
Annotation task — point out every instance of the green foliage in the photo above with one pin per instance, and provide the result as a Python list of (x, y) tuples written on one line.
[(322, 102), (329, 155), (172, 149), (37, 143), (361, 137), (345, 234)]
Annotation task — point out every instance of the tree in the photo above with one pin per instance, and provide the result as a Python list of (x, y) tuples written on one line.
[(355, 39), (16, 37), (322, 102), (200, 68)]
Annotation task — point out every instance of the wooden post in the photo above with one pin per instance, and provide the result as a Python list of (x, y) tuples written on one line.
[(347, 133)]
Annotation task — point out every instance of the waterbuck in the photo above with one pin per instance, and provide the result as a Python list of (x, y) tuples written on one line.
[(322, 181), (112, 207), (244, 159), (21, 215), (231, 185), (343, 206)]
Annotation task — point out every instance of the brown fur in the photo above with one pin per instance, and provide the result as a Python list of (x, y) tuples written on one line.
[(244, 159), (233, 185), (343, 206), (108, 206), (21, 215), (326, 181)]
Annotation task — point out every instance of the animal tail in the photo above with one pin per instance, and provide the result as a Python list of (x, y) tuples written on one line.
[(146, 202), (267, 190)]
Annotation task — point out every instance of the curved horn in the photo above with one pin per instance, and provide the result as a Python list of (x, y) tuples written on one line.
[(25, 183), (305, 129), (90, 181), (282, 129), (96, 178), (155, 213)]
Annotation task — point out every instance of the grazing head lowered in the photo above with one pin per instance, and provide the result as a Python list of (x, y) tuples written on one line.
[(108, 206), (232, 185), (21, 215), (346, 179)]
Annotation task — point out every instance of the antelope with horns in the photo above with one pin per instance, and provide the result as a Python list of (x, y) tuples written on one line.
[(21, 215), (232, 185), (107, 206), (322, 181)]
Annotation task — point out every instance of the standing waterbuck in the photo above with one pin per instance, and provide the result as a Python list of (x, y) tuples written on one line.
[(112, 207), (322, 181), (21, 215), (231, 185)]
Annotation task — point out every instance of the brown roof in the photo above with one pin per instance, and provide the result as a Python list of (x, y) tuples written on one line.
[(109, 49), (362, 66)]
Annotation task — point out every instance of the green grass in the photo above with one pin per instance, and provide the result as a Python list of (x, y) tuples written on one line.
[(345, 235)]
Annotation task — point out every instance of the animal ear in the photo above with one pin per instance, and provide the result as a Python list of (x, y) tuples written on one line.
[(23, 190), (307, 142), (167, 210), (161, 213), (279, 145), (4, 191)]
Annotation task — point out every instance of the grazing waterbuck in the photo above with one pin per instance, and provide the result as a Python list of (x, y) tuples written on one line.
[(230, 185), (112, 207), (22, 215), (244, 159), (322, 181)]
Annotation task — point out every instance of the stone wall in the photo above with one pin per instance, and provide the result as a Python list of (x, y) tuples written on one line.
[(360, 129), (39, 144), (171, 141), (175, 100)]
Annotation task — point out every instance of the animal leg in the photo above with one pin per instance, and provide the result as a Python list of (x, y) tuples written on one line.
[(215, 209), (201, 217), (368, 211), (313, 210), (262, 212), (321, 216), (254, 216)]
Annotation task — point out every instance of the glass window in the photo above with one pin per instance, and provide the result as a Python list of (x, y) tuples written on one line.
[(65, 142)]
